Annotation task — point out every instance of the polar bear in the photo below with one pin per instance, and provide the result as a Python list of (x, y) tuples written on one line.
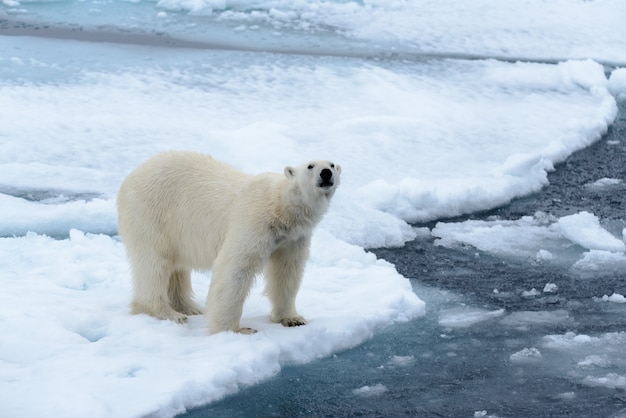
[(181, 211)]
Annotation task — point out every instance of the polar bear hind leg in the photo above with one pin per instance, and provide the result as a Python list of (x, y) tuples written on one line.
[(151, 283), (180, 293)]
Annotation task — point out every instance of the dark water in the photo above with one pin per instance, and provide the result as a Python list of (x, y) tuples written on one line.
[(422, 368)]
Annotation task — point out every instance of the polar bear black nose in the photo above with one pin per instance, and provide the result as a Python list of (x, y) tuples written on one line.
[(326, 174)]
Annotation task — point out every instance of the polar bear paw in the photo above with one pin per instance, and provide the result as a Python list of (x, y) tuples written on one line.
[(295, 321), (177, 317), (189, 308), (161, 311)]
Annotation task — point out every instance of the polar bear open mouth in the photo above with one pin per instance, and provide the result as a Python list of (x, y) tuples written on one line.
[(326, 184)]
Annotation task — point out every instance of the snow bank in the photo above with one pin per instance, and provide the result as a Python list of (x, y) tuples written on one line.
[(68, 334), (411, 141)]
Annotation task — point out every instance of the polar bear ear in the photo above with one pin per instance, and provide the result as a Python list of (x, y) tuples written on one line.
[(290, 172), (338, 168)]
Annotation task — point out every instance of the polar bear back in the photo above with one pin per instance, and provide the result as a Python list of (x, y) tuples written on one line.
[(182, 203)]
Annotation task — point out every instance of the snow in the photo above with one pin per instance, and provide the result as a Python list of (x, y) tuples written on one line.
[(418, 139), (68, 334)]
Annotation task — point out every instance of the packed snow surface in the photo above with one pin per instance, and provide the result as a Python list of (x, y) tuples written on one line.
[(418, 140)]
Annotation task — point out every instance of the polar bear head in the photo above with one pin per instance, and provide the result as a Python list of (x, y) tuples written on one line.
[(315, 180)]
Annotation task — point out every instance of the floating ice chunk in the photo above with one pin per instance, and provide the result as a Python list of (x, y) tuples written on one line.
[(596, 259), (617, 82), (610, 380), (369, 391), (526, 318), (567, 340), (604, 182), (585, 357), (516, 238), (566, 396), (466, 317), (424, 233), (483, 414), (571, 340), (530, 293), (544, 255), (594, 360), (526, 355), (584, 229), (615, 297), (532, 237), (550, 288), (587, 74), (402, 361)]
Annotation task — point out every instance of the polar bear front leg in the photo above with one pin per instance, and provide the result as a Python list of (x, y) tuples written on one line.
[(229, 288), (283, 276)]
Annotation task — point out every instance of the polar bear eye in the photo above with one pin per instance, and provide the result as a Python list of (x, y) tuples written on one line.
[(332, 165), (310, 167)]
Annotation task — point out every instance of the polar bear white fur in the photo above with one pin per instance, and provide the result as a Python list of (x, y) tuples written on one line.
[(181, 211)]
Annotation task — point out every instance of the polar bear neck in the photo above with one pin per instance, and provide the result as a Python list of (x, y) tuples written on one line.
[(297, 209)]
